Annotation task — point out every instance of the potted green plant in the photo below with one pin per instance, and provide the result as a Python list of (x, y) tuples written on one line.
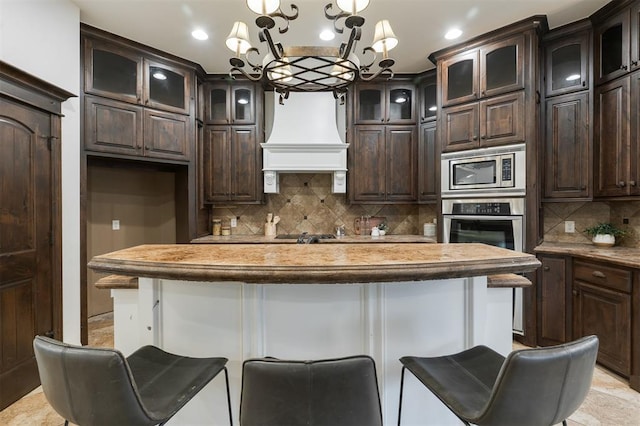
[(604, 234)]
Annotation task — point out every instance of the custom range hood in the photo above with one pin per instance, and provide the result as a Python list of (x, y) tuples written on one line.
[(304, 138)]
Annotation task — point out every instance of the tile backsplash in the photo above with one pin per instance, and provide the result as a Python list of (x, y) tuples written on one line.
[(586, 214), (305, 203)]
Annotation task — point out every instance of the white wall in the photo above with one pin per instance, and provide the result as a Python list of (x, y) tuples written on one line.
[(42, 37)]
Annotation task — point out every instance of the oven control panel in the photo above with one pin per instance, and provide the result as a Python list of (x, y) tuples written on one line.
[(502, 209)]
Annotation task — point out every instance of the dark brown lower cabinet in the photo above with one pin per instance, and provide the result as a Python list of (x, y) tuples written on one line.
[(602, 306), (578, 297), (554, 307)]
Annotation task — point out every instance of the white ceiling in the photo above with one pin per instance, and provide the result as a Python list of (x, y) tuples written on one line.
[(418, 24)]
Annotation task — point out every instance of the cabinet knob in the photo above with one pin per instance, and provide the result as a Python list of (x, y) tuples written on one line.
[(475, 137), (623, 67), (575, 292), (584, 84), (598, 274), (634, 63), (382, 120), (621, 184), (483, 137), (632, 183), (147, 147), (139, 146), (546, 268), (583, 187), (147, 102)]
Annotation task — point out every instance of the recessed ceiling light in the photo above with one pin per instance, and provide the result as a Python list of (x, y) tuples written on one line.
[(327, 35), (453, 33), (199, 34)]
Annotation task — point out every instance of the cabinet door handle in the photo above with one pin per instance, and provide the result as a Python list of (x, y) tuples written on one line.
[(583, 187), (584, 84), (575, 292), (139, 146), (483, 137), (621, 184), (632, 183), (546, 268), (147, 147), (475, 137), (598, 274), (634, 63)]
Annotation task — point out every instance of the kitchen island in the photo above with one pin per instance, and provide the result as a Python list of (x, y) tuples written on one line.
[(313, 301)]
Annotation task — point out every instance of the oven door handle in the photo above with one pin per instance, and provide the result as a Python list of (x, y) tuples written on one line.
[(482, 217)]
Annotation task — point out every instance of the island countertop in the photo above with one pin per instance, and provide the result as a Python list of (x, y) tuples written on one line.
[(361, 239), (313, 263)]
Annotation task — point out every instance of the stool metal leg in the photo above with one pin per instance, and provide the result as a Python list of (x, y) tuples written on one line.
[(226, 379), (401, 389)]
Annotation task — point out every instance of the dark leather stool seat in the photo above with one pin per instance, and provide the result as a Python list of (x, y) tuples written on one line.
[(333, 392), (99, 386), (540, 386)]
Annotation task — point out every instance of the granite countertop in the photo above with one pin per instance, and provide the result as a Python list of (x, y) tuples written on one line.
[(313, 263), (623, 256), (261, 239)]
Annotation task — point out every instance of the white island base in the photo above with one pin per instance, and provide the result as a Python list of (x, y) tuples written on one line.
[(315, 321)]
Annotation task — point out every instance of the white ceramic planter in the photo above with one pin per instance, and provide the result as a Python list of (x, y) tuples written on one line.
[(604, 240)]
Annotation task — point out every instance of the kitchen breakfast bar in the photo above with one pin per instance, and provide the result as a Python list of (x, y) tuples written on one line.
[(313, 301)]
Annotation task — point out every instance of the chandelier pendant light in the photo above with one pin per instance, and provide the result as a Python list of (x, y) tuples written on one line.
[(309, 68)]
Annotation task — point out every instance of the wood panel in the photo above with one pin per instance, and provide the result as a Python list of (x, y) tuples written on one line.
[(368, 156)]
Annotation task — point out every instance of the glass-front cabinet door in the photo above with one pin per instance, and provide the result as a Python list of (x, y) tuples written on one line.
[(612, 47), (112, 72), (567, 63), (502, 66), (428, 99), (459, 78), (230, 104), (167, 87), (369, 101), (400, 104)]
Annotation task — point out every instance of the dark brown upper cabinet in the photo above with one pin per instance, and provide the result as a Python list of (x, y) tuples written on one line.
[(567, 64), (567, 148), (230, 104), (490, 70), (617, 41), (385, 103), (127, 75), (428, 91)]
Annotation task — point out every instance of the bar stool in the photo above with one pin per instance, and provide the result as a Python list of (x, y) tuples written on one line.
[(336, 392), (99, 386), (540, 386)]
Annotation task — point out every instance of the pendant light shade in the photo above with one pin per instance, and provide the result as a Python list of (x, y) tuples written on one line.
[(384, 39), (352, 6), (238, 39), (263, 7)]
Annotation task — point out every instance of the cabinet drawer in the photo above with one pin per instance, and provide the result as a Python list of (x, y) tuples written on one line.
[(601, 275)]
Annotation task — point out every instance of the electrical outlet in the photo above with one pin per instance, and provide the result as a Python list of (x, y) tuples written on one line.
[(234, 222), (115, 225), (569, 226)]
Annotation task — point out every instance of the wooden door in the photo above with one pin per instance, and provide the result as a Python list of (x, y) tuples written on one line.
[(566, 153), (217, 163), (112, 126), (166, 135), (634, 149), (611, 139), (553, 302), (460, 126), (502, 120), (428, 167), (27, 263), (612, 47), (607, 314), (402, 163), (502, 66), (459, 76), (368, 164), (245, 164)]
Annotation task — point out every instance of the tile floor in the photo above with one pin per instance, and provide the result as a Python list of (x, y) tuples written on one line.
[(609, 403)]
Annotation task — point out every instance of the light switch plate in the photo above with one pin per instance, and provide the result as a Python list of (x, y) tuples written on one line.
[(234, 222), (115, 225), (569, 226)]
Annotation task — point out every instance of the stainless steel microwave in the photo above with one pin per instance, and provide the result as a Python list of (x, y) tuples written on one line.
[(484, 172)]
